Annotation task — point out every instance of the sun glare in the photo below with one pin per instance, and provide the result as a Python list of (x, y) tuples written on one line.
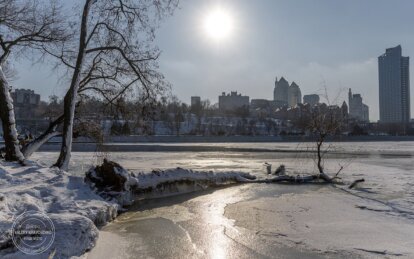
[(218, 24)]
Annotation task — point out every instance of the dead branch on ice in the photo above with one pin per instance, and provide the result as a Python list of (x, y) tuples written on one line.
[(356, 182)]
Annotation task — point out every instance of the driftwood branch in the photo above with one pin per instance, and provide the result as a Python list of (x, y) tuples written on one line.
[(356, 182)]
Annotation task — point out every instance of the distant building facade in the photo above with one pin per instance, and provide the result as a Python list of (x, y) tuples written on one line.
[(195, 101), (394, 86), (233, 101), (357, 109), (281, 91), (285, 94), (312, 99), (259, 104), (294, 95), (344, 109), (25, 102), (304, 111)]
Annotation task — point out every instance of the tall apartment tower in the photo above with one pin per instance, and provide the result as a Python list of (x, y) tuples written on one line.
[(394, 86)]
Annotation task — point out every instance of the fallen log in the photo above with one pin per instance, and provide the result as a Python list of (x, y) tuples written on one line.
[(112, 181), (294, 178)]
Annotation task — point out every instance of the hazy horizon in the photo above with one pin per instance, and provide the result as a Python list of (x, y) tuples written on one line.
[(314, 43)]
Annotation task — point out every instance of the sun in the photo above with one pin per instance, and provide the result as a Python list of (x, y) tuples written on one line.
[(218, 24)]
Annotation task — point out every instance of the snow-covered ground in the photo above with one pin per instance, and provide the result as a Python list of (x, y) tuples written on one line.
[(75, 208)]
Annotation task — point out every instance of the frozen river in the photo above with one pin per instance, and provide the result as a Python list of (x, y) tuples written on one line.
[(224, 223)]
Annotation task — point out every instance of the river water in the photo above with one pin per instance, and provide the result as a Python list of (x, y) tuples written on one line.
[(198, 225)]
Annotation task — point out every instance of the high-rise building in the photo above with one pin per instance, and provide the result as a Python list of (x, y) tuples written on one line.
[(394, 86), (294, 95), (281, 91), (312, 99), (285, 94), (357, 109)]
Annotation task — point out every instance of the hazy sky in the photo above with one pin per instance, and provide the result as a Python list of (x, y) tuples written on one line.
[(311, 42)]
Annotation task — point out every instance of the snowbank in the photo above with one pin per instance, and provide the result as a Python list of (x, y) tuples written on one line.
[(76, 209)]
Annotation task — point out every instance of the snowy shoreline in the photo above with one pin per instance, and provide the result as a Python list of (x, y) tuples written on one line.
[(76, 209)]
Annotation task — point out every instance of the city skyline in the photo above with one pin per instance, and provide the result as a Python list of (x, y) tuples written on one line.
[(267, 43)]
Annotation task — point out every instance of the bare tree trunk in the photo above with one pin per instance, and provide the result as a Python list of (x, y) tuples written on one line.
[(322, 174), (71, 95), (69, 107), (319, 145), (13, 152), (51, 132)]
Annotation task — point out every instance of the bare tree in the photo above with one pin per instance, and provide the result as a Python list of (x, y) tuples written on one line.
[(176, 112), (322, 122), (24, 25), (325, 121), (111, 53), (201, 111)]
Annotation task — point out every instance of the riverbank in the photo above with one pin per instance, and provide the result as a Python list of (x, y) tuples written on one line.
[(247, 139), (50, 213), (356, 148), (136, 139)]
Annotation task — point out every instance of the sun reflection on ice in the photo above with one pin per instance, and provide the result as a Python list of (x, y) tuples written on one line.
[(213, 215)]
